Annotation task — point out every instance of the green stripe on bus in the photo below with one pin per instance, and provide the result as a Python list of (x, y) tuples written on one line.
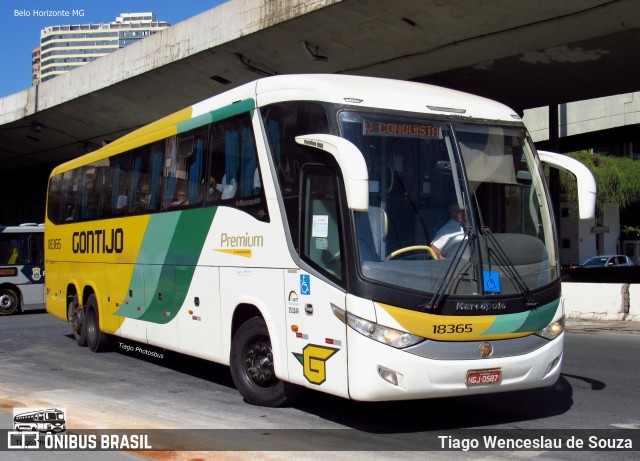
[(528, 321), (163, 274), (151, 257), (179, 266), (239, 107), (540, 317)]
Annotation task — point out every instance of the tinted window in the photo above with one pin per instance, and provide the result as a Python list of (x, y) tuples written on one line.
[(283, 122), (215, 164)]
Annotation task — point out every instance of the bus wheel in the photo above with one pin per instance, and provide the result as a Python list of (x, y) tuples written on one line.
[(252, 367), (9, 301), (75, 315), (97, 340)]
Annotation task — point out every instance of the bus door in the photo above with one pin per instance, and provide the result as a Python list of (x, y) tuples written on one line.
[(34, 292), (316, 337)]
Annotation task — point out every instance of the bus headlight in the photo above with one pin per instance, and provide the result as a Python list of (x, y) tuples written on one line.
[(386, 335), (553, 330)]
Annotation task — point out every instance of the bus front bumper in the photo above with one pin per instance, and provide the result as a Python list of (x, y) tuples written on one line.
[(378, 372)]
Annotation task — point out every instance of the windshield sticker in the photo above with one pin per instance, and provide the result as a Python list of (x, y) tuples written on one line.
[(322, 243), (320, 226), (399, 129), (491, 281)]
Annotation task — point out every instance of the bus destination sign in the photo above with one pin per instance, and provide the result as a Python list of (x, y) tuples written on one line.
[(401, 129)]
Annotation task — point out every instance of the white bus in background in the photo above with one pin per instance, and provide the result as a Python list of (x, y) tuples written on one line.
[(287, 228), (21, 268)]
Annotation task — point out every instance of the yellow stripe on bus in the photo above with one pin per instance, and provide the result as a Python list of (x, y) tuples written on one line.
[(244, 252), (446, 327), (161, 129)]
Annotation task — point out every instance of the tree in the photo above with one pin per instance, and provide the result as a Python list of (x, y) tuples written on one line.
[(616, 178)]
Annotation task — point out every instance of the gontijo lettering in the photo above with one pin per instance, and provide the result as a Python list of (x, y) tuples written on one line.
[(98, 241)]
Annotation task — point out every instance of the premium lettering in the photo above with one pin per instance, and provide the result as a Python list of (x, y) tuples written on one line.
[(98, 241), (246, 240)]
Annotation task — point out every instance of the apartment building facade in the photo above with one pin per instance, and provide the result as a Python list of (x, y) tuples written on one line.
[(66, 47)]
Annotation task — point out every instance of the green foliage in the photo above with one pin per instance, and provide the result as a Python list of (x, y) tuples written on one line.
[(617, 178), (631, 231)]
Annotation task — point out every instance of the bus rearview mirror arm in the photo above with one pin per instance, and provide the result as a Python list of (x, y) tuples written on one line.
[(351, 163), (586, 182)]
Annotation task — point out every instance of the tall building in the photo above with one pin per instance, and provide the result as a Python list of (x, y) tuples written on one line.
[(35, 65), (63, 48)]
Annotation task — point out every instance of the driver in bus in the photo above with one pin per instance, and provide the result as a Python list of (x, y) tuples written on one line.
[(451, 229)]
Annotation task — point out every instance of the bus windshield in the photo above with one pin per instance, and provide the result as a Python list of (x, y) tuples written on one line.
[(454, 208)]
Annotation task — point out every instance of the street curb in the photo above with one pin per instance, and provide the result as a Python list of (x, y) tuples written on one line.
[(590, 326)]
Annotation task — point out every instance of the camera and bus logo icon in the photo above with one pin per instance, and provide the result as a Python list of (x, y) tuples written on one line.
[(51, 421), (29, 423)]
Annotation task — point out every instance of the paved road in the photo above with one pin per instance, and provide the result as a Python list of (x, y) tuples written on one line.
[(41, 366)]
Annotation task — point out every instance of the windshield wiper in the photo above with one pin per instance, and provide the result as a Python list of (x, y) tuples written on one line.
[(503, 260), (445, 281)]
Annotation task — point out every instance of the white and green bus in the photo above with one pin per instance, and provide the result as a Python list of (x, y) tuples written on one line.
[(21, 268), (287, 228)]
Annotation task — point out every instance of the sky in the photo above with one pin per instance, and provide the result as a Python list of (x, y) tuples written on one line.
[(20, 26)]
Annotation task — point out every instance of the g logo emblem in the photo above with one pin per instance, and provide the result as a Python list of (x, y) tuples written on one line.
[(313, 360)]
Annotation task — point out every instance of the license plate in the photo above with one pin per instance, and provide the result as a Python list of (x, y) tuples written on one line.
[(483, 377)]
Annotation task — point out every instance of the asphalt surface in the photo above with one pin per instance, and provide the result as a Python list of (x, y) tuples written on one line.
[(579, 326)]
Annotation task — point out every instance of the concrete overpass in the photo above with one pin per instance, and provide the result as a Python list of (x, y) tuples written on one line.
[(526, 54)]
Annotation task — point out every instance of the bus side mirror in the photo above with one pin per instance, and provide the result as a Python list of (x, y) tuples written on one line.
[(586, 181), (350, 161)]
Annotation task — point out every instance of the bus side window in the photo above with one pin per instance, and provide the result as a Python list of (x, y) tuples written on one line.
[(231, 154), (54, 204), (118, 181), (183, 175), (7, 249), (248, 163), (216, 162), (321, 225), (233, 169), (69, 195), (283, 122), (192, 154), (54, 207), (90, 190), (15, 249), (241, 175), (144, 181), (37, 248)]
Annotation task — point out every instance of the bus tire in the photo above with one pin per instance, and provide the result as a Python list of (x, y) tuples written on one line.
[(9, 301), (75, 315), (252, 367), (97, 340)]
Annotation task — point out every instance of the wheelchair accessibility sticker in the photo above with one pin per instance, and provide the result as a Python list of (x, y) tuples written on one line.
[(491, 282), (305, 284)]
